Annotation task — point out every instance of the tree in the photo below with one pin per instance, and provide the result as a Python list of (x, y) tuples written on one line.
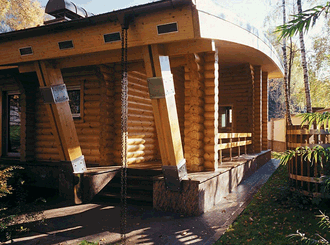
[(20, 14), (303, 20), (304, 64), (285, 84)]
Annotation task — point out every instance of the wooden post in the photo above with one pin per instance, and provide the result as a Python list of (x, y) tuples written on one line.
[(257, 105), (161, 91), (63, 128), (194, 110), (264, 111), (211, 111)]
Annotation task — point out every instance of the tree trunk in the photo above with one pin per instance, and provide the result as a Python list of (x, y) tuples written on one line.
[(285, 83), (304, 65)]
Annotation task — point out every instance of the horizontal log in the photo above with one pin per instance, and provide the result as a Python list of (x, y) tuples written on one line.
[(89, 97), (46, 150), (140, 159), (91, 138), (139, 117), (47, 144), (92, 159), (92, 84), (87, 131), (87, 124), (92, 104), (146, 153), (92, 91), (91, 118), (141, 123), (92, 112), (90, 152), (42, 137), (140, 129), (91, 145), (141, 135), (145, 99), (44, 131)]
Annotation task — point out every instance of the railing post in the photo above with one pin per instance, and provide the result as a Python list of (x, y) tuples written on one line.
[(220, 152), (231, 146), (239, 147)]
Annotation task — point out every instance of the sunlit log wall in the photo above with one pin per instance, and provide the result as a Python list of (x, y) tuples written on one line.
[(179, 86), (211, 110), (236, 90), (194, 112)]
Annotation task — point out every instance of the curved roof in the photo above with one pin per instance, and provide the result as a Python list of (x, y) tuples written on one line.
[(237, 40)]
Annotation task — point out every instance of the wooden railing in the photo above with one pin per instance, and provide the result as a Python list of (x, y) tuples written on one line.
[(232, 140), (303, 174)]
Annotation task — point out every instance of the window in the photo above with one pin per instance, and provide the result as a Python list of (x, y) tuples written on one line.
[(11, 124), (75, 100), (226, 118)]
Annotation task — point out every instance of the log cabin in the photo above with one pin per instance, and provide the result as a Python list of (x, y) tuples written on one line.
[(177, 87)]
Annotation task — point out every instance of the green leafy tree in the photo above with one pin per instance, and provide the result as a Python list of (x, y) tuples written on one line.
[(20, 14)]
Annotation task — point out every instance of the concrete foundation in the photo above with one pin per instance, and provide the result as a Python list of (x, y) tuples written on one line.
[(203, 190)]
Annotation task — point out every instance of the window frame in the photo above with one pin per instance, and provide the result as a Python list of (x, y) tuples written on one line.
[(78, 86), (5, 123)]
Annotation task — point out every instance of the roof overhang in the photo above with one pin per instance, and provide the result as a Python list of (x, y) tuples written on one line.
[(198, 31), (237, 41)]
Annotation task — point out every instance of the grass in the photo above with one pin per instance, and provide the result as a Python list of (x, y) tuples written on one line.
[(274, 213)]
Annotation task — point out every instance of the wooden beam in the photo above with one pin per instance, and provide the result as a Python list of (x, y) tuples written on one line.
[(59, 114), (257, 105), (90, 39), (166, 120), (264, 111)]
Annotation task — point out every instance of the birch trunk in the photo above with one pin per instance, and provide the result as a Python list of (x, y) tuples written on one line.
[(304, 65), (285, 84)]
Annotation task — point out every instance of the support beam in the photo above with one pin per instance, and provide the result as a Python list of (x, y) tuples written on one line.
[(257, 106), (194, 110), (49, 75), (161, 90), (211, 110), (264, 110)]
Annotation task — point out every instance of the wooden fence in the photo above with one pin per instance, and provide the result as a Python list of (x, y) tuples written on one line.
[(303, 174), (233, 140)]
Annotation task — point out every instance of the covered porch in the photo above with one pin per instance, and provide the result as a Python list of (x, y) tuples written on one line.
[(197, 98)]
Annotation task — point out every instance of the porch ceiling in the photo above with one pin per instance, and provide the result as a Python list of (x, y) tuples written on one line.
[(231, 54)]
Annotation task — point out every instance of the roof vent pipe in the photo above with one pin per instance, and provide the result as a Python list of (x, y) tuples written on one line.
[(64, 10)]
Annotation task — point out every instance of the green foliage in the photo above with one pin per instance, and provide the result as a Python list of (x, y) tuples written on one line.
[(320, 119), (274, 213), (5, 174), (302, 21), (317, 154), (324, 223)]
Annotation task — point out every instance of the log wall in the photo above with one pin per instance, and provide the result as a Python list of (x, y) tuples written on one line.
[(99, 126), (194, 112), (236, 90), (257, 110), (264, 111), (142, 137), (179, 86), (211, 110)]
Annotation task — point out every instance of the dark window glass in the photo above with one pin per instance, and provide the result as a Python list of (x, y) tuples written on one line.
[(14, 129), (112, 37), (74, 97), (167, 28)]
